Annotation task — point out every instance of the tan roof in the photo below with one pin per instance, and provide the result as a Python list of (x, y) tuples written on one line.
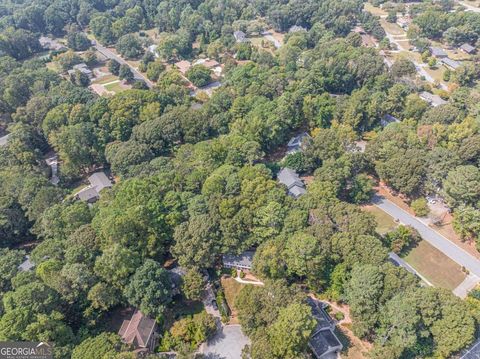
[(183, 66), (138, 330)]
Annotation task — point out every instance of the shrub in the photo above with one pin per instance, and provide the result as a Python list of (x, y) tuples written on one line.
[(420, 207)]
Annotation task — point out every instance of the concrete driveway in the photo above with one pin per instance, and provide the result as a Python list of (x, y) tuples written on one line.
[(227, 343), (447, 247)]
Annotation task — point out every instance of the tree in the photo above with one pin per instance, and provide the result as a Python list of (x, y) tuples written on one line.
[(199, 75), (403, 67), (462, 186), (149, 289), (361, 189), (193, 285), (466, 222), (123, 155), (103, 296), (420, 207), (9, 262), (78, 41), (114, 66), (154, 70), (102, 346), (290, 333), (125, 73), (130, 46), (402, 238)]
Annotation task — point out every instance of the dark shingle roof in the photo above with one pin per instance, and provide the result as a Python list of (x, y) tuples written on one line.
[(239, 260)]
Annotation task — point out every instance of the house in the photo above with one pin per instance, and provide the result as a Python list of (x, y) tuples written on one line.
[(153, 49), (50, 44), (213, 65), (26, 265), (451, 64), (242, 261), (83, 68), (433, 100), (323, 341), (4, 140), (91, 193), (297, 143), (292, 181), (438, 52), (139, 331), (404, 22), (240, 36), (387, 118), (183, 66), (468, 49), (296, 28)]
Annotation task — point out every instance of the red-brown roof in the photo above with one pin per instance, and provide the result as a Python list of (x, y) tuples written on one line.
[(138, 330)]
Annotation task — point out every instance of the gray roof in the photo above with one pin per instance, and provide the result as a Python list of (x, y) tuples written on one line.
[(467, 48), (239, 260), (434, 100), (387, 118), (240, 36), (99, 181), (451, 63), (296, 28), (438, 52), (27, 265), (297, 141), (297, 191), (88, 194), (289, 178), (4, 140)]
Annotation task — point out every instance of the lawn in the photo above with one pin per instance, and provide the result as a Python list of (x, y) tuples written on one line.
[(435, 266), (392, 28), (231, 289), (385, 222), (105, 79), (115, 87)]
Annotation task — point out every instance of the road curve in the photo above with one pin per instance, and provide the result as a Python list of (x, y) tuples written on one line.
[(447, 247)]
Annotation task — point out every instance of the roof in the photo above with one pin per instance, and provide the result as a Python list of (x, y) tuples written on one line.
[(87, 194), (239, 260), (467, 48), (99, 181), (26, 265), (438, 52), (324, 342), (296, 141), (324, 321), (289, 178), (297, 191), (296, 28), (451, 63), (50, 44), (387, 118), (4, 140), (434, 100), (208, 63), (183, 66), (240, 36), (138, 330)]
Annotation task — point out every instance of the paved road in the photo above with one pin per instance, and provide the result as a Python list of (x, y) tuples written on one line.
[(466, 286), (469, 7), (473, 352), (449, 248), (227, 343), (111, 55)]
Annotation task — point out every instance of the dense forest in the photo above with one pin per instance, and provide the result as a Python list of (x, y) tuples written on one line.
[(197, 179)]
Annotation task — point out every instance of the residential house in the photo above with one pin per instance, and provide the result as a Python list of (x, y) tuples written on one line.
[(387, 118), (468, 49), (438, 52), (241, 261), (153, 49), (98, 181), (183, 66), (404, 21), (213, 65), (296, 28), (4, 140), (50, 44), (240, 36), (83, 68), (451, 64), (297, 143), (433, 100), (140, 332), (27, 265), (292, 181), (323, 341)]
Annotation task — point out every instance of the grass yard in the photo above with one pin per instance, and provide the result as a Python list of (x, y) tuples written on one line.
[(385, 222), (105, 79), (436, 267), (231, 289), (392, 28), (115, 87)]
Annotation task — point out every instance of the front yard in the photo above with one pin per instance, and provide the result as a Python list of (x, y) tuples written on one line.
[(385, 222), (231, 289)]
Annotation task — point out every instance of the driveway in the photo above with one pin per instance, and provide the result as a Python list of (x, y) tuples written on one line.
[(227, 343), (447, 247)]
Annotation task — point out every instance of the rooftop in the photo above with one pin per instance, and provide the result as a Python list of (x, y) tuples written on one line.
[(434, 100), (183, 66), (4, 140), (243, 260), (296, 28), (99, 181), (27, 265), (240, 36), (438, 52), (138, 330), (451, 63), (467, 48)]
